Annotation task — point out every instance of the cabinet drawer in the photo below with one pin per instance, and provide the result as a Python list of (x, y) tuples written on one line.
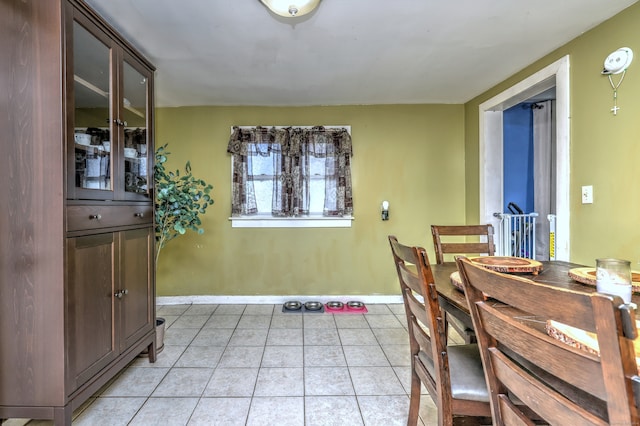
[(90, 217)]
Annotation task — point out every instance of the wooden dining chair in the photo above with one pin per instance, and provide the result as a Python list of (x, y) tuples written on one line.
[(557, 380), (452, 374), (453, 244)]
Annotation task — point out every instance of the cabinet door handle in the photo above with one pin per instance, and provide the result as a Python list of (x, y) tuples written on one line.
[(95, 217), (138, 214), (125, 292), (118, 294)]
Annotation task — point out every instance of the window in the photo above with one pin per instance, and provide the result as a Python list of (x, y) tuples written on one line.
[(291, 177)]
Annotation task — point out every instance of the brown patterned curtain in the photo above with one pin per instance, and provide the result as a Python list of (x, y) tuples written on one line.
[(291, 150)]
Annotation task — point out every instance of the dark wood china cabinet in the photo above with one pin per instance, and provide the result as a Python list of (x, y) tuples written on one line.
[(77, 285)]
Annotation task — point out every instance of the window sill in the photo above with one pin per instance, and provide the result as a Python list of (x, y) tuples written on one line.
[(288, 222)]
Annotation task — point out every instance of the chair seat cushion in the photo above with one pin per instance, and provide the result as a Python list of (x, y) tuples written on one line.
[(465, 370)]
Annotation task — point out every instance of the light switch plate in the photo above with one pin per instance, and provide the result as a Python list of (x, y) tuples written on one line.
[(587, 194)]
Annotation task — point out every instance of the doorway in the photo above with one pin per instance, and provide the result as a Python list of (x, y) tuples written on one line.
[(491, 148)]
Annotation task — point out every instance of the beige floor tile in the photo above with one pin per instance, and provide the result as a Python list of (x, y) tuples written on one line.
[(391, 336), (109, 412), (378, 309), (357, 336), (284, 337), (241, 356), (332, 411), (327, 381), (221, 412), (232, 382), (254, 321), (163, 310), (321, 336), (320, 321), (230, 310), (350, 321), (200, 356), (136, 381), (324, 356), (179, 336), (201, 309), (384, 410), (165, 412), (365, 356), (249, 337), (398, 355), (383, 321), (282, 356), (281, 411), (259, 310), (397, 308), (190, 321), (375, 381), (222, 321), (280, 382), (212, 337), (286, 321), (184, 382)]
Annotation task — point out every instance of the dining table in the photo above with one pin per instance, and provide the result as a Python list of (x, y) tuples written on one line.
[(554, 272)]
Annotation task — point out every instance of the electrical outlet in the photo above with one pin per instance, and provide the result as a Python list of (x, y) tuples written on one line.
[(587, 194)]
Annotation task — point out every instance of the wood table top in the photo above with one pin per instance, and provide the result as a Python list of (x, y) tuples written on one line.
[(553, 272)]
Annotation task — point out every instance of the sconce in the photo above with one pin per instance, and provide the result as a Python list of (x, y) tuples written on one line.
[(384, 208)]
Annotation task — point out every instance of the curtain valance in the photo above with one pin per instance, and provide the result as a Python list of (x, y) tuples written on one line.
[(290, 141)]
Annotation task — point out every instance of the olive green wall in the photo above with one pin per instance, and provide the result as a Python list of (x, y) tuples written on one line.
[(410, 155), (605, 149)]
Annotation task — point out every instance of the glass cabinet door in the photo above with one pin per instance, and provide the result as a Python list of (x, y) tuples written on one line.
[(92, 116), (135, 114)]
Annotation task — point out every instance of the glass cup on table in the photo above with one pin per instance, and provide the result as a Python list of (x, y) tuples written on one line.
[(613, 276)]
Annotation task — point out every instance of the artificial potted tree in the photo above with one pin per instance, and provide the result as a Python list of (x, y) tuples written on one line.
[(180, 199)]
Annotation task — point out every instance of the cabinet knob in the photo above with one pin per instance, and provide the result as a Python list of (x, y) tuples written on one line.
[(125, 292), (95, 217), (118, 294), (138, 214)]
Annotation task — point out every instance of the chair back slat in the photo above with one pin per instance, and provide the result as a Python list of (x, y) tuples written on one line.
[(558, 383), (417, 310), (461, 245), (411, 280), (549, 404), (499, 285), (581, 369)]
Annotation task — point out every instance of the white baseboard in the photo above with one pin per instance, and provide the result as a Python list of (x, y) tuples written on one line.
[(271, 300)]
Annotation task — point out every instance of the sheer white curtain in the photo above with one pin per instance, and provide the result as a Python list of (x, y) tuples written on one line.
[(543, 163)]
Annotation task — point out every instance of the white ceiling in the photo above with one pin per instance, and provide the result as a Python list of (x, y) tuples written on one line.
[(347, 52)]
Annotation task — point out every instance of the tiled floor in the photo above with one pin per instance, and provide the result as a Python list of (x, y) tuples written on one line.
[(254, 365)]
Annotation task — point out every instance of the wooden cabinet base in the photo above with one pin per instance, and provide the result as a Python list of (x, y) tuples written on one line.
[(61, 415)]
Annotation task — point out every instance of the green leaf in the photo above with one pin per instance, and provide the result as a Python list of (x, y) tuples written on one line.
[(178, 200)]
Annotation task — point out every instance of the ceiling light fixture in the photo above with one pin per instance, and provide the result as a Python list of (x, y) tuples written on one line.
[(291, 8)]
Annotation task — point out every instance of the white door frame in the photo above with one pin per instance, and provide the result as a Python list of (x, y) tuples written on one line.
[(490, 146)]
